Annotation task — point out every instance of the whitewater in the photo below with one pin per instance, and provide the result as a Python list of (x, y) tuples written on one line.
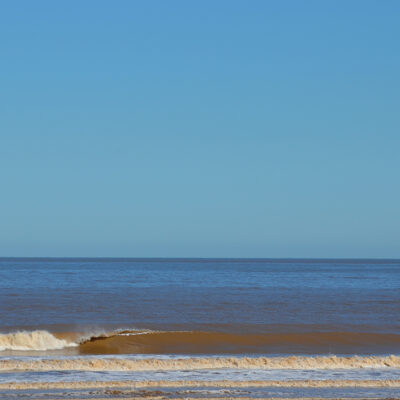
[(127, 363), (36, 340)]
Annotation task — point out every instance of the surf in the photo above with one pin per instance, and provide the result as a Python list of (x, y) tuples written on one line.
[(39, 340)]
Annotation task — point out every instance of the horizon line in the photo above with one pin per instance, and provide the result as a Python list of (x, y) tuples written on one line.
[(129, 258)]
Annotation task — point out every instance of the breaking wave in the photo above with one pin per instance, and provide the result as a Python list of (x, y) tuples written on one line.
[(35, 340)]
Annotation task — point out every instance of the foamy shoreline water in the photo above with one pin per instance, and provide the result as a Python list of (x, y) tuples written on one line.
[(224, 389), (221, 383)]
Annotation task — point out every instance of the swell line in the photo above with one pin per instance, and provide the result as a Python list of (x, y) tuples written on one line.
[(218, 343)]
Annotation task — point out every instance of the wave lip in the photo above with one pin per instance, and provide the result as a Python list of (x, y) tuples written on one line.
[(35, 341)]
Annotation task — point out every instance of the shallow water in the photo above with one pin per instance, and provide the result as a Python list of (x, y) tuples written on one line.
[(210, 392)]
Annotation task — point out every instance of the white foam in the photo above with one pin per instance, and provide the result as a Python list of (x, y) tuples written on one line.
[(35, 340), (195, 363)]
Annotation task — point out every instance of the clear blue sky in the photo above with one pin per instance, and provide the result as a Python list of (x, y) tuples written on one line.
[(200, 128)]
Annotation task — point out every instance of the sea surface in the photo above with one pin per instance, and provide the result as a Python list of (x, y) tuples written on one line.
[(264, 327)]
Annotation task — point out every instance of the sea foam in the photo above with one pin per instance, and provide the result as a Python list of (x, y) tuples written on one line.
[(39, 340), (198, 363)]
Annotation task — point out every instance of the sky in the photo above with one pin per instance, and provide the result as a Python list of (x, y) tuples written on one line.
[(200, 128)]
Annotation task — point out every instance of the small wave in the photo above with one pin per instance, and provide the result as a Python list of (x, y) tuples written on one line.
[(33, 341), (197, 363), (142, 341)]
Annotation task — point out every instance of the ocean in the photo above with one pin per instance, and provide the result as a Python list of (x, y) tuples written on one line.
[(256, 328)]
